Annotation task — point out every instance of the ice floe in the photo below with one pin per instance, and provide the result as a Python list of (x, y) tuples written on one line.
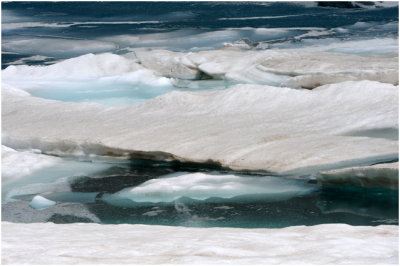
[(44, 243), (250, 127), (39, 203), (201, 186)]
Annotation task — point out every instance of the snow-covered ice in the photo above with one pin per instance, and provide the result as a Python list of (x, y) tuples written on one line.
[(252, 127), (48, 243), (379, 175), (293, 68), (16, 164)]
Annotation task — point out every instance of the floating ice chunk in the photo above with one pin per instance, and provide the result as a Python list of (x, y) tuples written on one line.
[(40, 203), (379, 175), (200, 186)]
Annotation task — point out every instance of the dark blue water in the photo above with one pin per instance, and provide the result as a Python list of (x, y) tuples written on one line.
[(36, 28)]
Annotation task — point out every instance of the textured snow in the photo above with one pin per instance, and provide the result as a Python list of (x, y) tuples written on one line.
[(200, 186), (39, 203), (290, 68), (311, 69), (47, 243), (83, 68), (379, 175), (244, 127), (15, 164)]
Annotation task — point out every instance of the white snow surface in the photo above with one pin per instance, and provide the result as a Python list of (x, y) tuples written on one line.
[(48, 243), (251, 127), (311, 68), (87, 67), (16, 164), (379, 175)]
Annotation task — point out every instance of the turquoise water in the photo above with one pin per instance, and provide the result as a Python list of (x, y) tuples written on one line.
[(338, 204), (116, 93), (119, 92)]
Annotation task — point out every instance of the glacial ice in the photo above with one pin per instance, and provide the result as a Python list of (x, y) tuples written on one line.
[(39, 203), (201, 186), (274, 129), (151, 244)]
